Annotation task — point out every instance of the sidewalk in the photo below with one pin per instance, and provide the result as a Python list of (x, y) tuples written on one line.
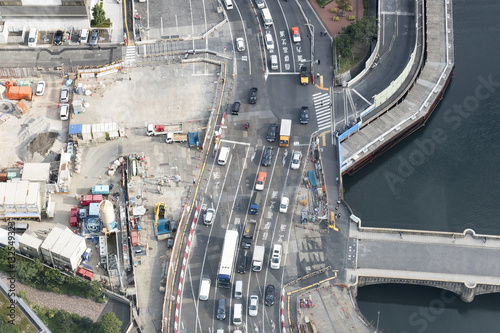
[(114, 11)]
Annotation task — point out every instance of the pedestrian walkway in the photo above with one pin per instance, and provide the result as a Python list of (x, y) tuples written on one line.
[(129, 56), (322, 109)]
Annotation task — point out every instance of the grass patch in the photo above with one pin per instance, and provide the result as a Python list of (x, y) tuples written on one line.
[(20, 322)]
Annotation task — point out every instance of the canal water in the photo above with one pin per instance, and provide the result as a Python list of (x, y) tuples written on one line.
[(443, 177)]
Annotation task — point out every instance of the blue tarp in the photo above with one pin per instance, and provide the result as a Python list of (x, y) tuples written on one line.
[(312, 178), (194, 139), (75, 129), (163, 227)]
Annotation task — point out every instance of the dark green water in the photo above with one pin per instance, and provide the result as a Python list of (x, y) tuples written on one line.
[(443, 177)]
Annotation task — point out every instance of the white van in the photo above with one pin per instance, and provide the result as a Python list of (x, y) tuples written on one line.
[(274, 62), (84, 36), (223, 156), (229, 4), (238, 289), (33, 37), (237, 314), (204, 289), (266, 16)]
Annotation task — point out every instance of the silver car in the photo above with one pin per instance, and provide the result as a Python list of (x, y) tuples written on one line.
[(93, 37), (65, 94)]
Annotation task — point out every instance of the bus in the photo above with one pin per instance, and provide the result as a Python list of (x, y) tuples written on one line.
[(228, 259)]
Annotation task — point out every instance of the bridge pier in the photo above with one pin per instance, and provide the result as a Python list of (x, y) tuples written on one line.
[(468, 292)]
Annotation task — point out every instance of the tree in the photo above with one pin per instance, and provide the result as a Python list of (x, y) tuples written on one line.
[(363, 31), (98, 14), (343, 5), (344, 44), (108, 324)]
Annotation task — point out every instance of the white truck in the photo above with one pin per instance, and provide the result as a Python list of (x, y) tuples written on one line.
[(161, 129), (258, 258), (285, 132), (176, 137)]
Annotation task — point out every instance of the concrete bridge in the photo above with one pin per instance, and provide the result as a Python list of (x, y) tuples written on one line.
[(463, 263)]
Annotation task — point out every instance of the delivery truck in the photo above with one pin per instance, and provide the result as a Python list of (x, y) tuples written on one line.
[(176, 137), (163, 129), (254, 203), (248, 234), (285, 132), (258, 258)]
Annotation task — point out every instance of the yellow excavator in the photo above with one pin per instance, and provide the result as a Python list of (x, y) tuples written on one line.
[(160, 209)]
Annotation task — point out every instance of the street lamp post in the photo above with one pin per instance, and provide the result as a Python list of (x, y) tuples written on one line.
[(378, 318), (311, 31)]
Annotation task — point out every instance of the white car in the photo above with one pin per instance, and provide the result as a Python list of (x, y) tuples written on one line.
[(64, 112), (240, 44), (260, 4), (269, 42), (40, 88), (284, 205), (209, 216), (297, 156), (276, 257), (253, 307)]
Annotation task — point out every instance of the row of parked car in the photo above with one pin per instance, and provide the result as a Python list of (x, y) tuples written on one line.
[(59, 37), (64, 107)]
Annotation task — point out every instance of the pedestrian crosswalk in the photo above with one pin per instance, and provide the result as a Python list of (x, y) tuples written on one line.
[(322, 108), (129, 56)]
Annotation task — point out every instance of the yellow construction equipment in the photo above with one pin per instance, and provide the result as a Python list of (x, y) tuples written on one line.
[(160, 209), (332, 222)]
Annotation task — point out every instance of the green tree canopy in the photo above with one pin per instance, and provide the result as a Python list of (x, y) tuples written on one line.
[(343, 4), (108, 324), (344, 44), (98, 14), (363, 31)]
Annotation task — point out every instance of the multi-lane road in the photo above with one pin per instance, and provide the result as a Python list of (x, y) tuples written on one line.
[(229, 188)]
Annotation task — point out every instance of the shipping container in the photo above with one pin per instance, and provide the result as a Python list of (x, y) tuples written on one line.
[(100, 189), (73, 217), (133, 234), (91, 198), (84, 273)]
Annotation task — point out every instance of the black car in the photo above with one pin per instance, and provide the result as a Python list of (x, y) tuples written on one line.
[(235, 109), (269, 295), (58, 37), (242, 265), (268, 155), (252, 95), (271, 133), (304, 115)]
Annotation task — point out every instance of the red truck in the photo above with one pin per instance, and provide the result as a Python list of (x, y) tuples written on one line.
[(87, 275), (73, 218), (91, 198), (133, 235)]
